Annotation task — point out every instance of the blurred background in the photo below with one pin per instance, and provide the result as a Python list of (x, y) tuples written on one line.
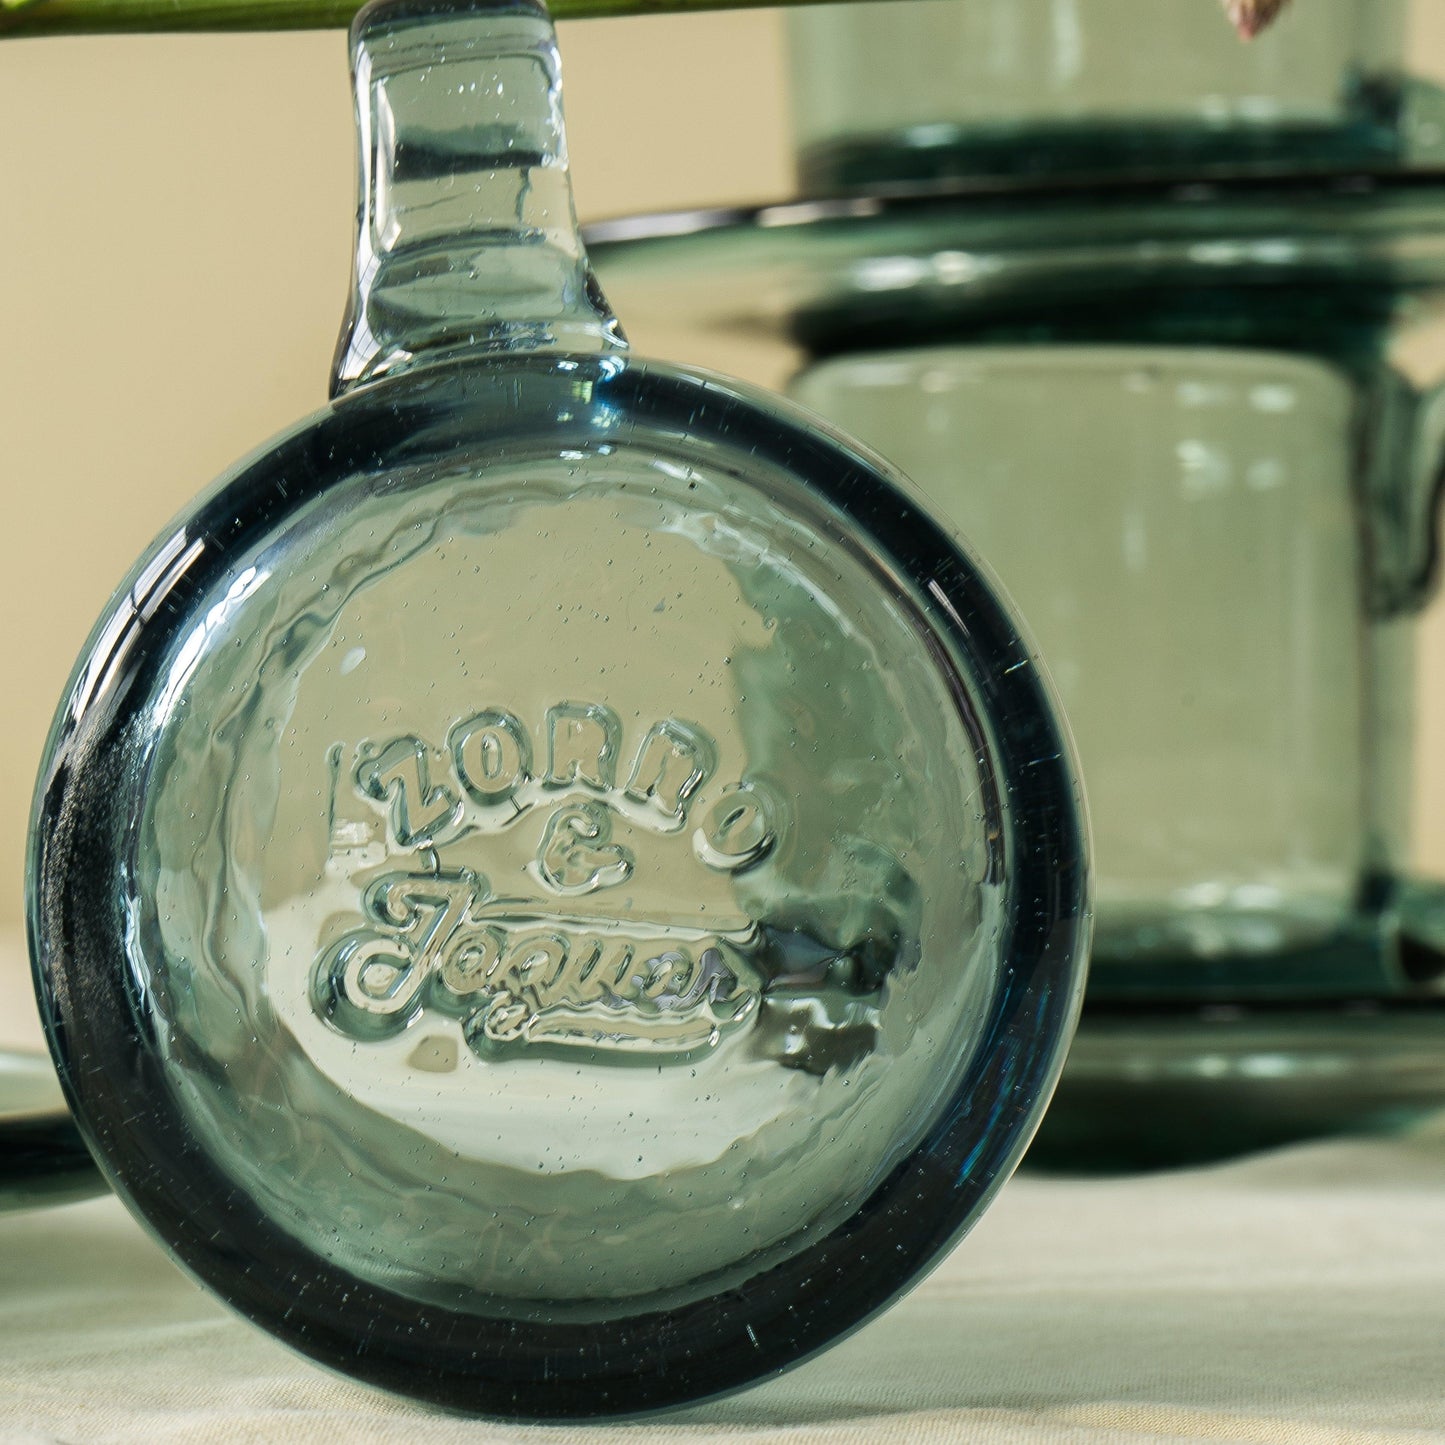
[(175, 256)]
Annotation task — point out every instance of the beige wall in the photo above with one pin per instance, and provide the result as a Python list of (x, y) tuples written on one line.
[(173, 261)]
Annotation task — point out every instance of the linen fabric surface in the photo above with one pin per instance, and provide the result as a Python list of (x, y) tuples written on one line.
[(1292, 1297)]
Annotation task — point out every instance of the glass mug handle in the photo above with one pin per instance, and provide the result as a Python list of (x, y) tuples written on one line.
[(1405, 481)]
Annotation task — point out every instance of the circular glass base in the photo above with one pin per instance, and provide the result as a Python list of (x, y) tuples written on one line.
[(599, 901)]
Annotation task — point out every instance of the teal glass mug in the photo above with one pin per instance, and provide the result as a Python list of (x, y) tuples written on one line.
[(557, 888)]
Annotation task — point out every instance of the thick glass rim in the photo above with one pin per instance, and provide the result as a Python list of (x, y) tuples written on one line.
[(968, 260)]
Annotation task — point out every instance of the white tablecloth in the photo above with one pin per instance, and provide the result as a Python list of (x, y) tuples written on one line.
[(1292, 1297)]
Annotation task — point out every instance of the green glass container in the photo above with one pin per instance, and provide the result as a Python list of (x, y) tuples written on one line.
[(1176, 377), (556, 887)]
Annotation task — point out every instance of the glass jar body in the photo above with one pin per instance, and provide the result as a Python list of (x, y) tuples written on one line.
[(1190, 532)]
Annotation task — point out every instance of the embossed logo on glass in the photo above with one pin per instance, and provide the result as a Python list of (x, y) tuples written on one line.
[(568, 954)]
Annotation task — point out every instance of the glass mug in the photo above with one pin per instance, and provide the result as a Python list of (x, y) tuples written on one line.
[(557, 888)]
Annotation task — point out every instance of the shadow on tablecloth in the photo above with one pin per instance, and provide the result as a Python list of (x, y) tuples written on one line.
[(1294, 1297)]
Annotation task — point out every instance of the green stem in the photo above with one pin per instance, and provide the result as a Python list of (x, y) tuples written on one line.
[(79, 17)]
